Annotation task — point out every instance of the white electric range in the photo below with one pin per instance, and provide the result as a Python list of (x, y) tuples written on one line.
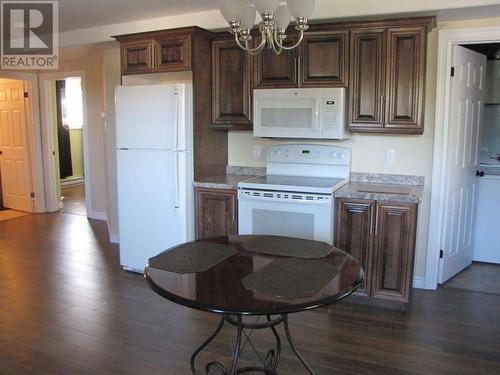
[(295, 197)]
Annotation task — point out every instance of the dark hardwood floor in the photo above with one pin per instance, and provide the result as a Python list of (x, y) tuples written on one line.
[(74, 200), (66, 307)]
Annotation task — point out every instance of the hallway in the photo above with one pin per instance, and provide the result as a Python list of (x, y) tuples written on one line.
[(74, 200)]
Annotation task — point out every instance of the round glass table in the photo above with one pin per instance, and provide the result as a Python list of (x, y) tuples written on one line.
[(265, 276)]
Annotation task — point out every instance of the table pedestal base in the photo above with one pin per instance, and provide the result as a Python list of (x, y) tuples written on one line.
[(269, 363)]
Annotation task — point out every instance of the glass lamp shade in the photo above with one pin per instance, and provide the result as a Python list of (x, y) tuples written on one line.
[(301, 8), (267, 6), (232, 9), (283, 17), (248, 17)]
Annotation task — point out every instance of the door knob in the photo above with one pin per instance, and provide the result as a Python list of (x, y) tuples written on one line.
[(479, 174)]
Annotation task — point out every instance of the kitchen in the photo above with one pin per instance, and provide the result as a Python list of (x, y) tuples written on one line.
[(310, 92), (367, 185)]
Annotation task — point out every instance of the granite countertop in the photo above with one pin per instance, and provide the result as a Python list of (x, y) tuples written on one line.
[(229, 181), (382, 192)]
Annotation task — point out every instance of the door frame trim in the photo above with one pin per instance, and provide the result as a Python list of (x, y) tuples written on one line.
[(53, 203), (447, 38), (34, 136)]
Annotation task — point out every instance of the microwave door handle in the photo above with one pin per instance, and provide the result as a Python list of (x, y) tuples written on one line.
[(316, 127)]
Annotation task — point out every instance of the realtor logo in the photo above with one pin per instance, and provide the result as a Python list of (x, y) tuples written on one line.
[(29, 35)]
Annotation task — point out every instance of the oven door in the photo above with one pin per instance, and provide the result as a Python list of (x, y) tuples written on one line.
[(307, 216)]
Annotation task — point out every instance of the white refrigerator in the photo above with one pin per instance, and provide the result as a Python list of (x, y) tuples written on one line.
[(155, 170)]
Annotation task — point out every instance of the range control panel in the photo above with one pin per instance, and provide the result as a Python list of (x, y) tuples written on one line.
[(309, 154)]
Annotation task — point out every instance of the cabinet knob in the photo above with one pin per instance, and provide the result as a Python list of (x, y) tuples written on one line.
[(479, 174)]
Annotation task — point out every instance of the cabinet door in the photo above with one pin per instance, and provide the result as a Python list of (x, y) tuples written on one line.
[(405, 79), (276, 71), (216, 213), (173, 54), (325, 58), (354, 233), (367, 80), (394, 250), (231, 87), (137, 57)]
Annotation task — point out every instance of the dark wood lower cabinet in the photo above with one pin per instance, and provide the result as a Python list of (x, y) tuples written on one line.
[(354, 233), (216, 212), (382, 236)]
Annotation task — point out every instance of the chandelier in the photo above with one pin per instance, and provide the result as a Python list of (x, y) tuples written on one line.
[(276, 16)]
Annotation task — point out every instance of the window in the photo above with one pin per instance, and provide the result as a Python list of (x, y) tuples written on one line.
[(72, 104)]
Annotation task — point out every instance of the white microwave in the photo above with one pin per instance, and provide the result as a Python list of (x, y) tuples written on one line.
[(300, 113)]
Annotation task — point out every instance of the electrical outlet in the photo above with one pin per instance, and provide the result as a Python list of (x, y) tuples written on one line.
[(390, 157), (257, 152)]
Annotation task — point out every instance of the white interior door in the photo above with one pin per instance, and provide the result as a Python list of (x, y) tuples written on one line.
[(462, 160), (14, 158)]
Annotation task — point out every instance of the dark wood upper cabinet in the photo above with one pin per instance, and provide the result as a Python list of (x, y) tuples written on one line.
[(354, 231), (405, 78), (231, 85), (276, 71), (137, 57), (367, 79), (216, 213), (325, 59), (173, 54), (388, 78), (394, 252)]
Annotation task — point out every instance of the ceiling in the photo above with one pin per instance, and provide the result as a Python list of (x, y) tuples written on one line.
[(80, 14), (83, 14)]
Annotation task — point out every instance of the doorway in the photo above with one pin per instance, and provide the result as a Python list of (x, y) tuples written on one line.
[(68, 124), (16, 187), (463, 244)]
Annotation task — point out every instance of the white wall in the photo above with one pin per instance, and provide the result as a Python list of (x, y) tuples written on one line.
[(112, 78)]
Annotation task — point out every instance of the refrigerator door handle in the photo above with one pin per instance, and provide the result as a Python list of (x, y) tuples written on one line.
[(176, 152), (176, 182)]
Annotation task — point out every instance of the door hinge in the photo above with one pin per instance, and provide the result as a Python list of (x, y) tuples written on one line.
[(32, 195), (453, 71), (26, 95), (441, 254)]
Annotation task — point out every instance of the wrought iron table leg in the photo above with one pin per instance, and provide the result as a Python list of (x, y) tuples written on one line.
[(292, 345), (236, 353), (204, 345), (273, 356)]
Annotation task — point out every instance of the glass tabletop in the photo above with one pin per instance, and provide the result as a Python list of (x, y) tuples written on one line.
[(220, 289)]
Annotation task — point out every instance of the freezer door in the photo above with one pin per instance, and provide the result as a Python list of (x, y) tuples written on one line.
[(151, 205), (147, 116)]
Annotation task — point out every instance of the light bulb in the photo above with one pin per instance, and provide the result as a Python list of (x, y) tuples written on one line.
[(301, 8), (248, 17), (283, 17), (232, 9), (267, 6)]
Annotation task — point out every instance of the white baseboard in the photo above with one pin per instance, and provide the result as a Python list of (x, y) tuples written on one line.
[(419, 282), (97, 215), (114, 238), (74, 182)]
